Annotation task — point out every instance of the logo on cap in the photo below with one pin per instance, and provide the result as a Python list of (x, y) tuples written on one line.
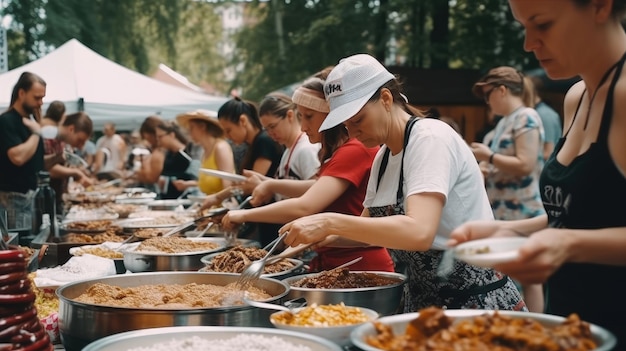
[(332, 88)]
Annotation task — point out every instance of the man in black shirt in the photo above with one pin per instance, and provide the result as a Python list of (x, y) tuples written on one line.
[(21, 149)]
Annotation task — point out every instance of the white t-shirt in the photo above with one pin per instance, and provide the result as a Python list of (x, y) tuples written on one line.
[(437, 160), (304, 162), (112, 148)]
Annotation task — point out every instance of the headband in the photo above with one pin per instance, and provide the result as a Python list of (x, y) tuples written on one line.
[(310, 98)]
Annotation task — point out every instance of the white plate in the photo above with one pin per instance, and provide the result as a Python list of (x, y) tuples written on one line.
[(500, 250), (224, 175)]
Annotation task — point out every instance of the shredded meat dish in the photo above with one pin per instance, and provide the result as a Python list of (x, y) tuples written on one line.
[(88, 225), (175, 245), (237, 258), (145, 233), (433, 330), (170, 296), (343, 279), (110, 234)]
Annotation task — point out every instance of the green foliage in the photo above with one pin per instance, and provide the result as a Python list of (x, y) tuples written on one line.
[(284, 41)]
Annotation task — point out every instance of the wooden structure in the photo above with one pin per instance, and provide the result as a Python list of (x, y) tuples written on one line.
[(449, 92)]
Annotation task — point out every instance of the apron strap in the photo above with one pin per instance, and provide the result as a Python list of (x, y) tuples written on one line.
[(385, 160)]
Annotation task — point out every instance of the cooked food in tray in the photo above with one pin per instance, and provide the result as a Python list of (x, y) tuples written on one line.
[(244, 341), (90, 197), (77, 238), (172, 245), (147, 233), (344, 279), (237, 258), (124, 210), (145, 221), (169, 296), (433, 330), (76, 213), (322, 316), (87, 226), (98, 251)]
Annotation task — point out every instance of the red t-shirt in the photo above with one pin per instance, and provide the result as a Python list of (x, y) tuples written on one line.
[(352, 162)]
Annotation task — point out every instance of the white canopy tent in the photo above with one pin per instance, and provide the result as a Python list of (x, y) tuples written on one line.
[(105, 90)]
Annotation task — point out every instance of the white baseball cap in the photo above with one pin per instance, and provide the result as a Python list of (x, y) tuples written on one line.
[(350, 85)]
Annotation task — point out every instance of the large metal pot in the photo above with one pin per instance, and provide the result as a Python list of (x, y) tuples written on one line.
[(140, 261), (81, 323), (150, 337), (385, 299)]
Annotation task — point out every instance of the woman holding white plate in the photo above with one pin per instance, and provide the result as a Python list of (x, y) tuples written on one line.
[(206, 131)]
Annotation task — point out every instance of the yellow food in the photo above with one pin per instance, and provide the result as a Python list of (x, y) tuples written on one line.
[(99, 251), (323, 316), (46, 300)]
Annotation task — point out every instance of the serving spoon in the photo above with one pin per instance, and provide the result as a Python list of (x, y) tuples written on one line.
[(289, 306)]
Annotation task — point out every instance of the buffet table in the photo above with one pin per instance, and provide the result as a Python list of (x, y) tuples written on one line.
[(112, 238)]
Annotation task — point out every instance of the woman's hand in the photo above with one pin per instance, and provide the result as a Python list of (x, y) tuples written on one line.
[(180, 185), (481, 151), (232, 219), (309, 229), (543, 253), (261, 194), (209, 202), (253, 179), (85, 181), (479, 230)]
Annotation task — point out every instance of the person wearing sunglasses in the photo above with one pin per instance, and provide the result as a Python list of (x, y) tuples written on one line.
[(514, 158)]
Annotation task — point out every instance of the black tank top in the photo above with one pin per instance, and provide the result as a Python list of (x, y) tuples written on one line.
[(590, 193)]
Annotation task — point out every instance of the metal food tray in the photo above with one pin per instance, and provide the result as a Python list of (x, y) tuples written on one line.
[(137, 223), (148, 337), (605, 340), (52, 251)]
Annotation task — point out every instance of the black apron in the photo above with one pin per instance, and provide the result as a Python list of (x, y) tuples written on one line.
[(467, 287)]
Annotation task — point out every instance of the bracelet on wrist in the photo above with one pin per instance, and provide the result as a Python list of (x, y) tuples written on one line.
[(491, 157), (37, 133)]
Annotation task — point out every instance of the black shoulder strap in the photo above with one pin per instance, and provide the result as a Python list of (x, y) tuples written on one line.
[(607, 113), (385, 159)]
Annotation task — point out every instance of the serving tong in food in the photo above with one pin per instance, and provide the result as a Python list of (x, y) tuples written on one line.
[(253, 270)]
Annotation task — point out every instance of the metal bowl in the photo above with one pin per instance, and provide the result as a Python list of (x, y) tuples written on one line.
[(81, 323), (605, 340), (296, 269), (134, 198), (385, 300), (144, 261), (168, 205), (148, 337)]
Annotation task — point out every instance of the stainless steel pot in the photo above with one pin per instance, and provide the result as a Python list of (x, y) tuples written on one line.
[(80, 323), (385, 299), (149, 337), (140, 261)]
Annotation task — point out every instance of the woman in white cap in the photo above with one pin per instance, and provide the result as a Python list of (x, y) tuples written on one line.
[(205, 130), (340, 186), (424, 182)]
